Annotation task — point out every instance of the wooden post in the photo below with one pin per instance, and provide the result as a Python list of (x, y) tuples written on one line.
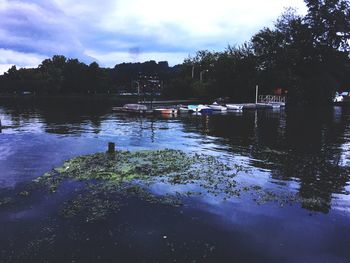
[(111, 148)]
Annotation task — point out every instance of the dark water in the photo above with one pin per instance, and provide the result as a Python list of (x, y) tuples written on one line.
[(299, 153)]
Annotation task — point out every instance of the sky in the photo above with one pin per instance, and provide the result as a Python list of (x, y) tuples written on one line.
[(115, 31)]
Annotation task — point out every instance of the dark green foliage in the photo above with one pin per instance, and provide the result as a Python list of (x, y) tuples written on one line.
[(60, 75), (305, 56)]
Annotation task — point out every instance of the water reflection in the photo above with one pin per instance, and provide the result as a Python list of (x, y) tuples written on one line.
[(309, 147), (306, 146), (57, 116)]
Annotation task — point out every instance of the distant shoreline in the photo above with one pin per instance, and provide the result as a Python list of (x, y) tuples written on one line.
[(97, 97), (34, 96)]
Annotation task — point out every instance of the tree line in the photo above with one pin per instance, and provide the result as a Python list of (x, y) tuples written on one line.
[(60, 75), (305, 57)]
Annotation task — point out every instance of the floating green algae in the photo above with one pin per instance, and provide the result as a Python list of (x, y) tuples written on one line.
[(5, 201), (110, 178), (172, 166)]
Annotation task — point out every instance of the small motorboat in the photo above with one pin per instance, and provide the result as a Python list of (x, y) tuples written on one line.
[(185, 109), (194, 108), (217, 107), (165, 111), (277, 105), (131, 108), (205, 109), (234, 106), (200, 109)]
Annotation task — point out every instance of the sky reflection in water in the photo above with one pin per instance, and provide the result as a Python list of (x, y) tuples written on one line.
[(294, 154), (276, 148)]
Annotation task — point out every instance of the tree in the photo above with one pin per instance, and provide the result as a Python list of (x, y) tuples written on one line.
[(329, 21), (302, 55)]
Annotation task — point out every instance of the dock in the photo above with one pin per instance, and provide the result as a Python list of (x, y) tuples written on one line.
[(168, 102), (264, 102), (260, 105)]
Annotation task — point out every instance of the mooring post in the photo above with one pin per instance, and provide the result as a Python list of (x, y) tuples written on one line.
[(111, 148)]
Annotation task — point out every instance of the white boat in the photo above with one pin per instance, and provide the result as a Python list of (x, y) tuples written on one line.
[(277, 105), (194, 108), (205, 109), (132, 108), (200, 108), (185, 109), (217, 107), (165, 111), (234, 106)]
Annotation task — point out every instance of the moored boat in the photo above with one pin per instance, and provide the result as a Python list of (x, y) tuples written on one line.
[(165, 111), (200, 109), (206, 110), (131, 108), (217, 107), (277, 105), (185, 109), (194, 108), (234, 106)]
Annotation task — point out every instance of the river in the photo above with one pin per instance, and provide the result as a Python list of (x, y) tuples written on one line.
[(301, 157)]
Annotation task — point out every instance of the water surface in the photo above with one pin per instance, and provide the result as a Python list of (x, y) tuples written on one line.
[(296, 154)]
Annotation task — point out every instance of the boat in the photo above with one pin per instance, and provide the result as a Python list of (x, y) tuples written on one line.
[(261, 105), (194, 108), (200, 109), (234, 106), (132, 108), (277, 105), (249, 106), (217, 107), (342, 98), (165, 111), (205, 109), (185, 109)]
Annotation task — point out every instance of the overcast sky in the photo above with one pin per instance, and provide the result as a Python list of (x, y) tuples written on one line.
[(115, 31)]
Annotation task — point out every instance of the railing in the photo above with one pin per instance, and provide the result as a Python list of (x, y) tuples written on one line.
[(271, 98)]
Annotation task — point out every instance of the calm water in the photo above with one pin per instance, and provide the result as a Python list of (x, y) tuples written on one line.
[(304, 154)]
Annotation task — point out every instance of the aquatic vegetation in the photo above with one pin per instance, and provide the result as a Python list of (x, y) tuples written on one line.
[(110, 178), (5, 201), (175, 167), (24, 193), (90, 206)]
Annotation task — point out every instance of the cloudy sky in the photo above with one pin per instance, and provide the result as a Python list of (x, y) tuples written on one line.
[(115, 31)]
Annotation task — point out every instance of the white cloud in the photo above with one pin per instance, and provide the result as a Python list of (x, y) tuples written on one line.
[(110, 59), (8, 58), (39, 27), (196, 18), (106, 30), (4, 68)]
